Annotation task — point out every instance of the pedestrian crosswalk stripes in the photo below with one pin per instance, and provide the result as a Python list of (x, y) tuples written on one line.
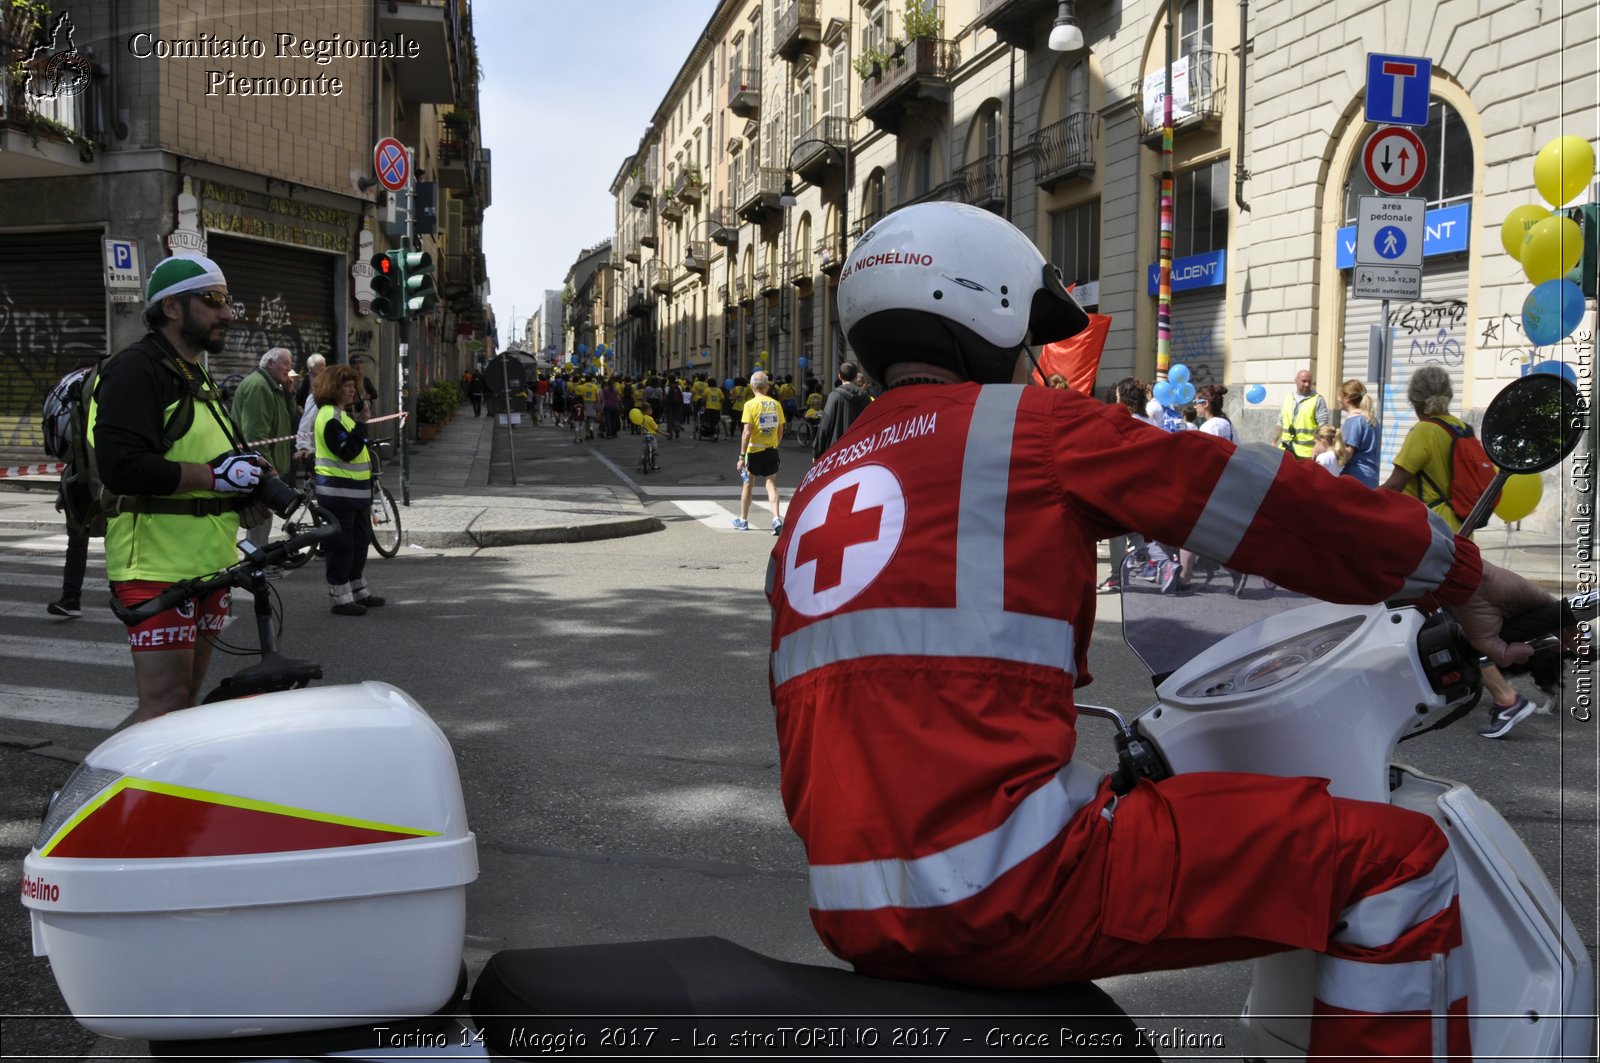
[(718, 514), (80, 668), (70, 707)]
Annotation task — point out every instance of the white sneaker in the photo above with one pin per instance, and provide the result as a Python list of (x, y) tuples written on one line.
[(777, 525), (740, 524)]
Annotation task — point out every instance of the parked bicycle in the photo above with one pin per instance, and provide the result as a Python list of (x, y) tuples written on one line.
[(386, 530)]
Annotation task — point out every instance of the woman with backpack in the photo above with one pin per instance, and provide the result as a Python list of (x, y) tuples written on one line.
[(1426, 469)]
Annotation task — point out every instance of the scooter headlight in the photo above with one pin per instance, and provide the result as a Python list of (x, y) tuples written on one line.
[(1271, 665), (81, 787)]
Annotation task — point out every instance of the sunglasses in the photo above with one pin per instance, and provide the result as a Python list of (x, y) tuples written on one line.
[(213, 298)]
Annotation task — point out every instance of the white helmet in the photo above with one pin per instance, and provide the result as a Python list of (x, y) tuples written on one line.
[(951, 285)]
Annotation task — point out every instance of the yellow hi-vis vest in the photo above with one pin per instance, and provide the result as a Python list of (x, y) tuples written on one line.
[(1299, 425), (336, 478)]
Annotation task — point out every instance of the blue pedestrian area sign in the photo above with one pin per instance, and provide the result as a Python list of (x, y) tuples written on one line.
[(1389, 242), (1397, 89)]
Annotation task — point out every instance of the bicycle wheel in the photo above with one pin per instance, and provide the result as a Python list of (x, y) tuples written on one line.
[(385, 523)]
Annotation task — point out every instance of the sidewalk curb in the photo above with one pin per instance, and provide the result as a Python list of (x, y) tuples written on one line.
[(566, 533)]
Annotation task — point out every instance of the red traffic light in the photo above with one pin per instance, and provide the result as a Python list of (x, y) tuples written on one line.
[(384, 265)]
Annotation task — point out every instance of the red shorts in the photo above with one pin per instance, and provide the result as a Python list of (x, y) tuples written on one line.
[(177, 628)]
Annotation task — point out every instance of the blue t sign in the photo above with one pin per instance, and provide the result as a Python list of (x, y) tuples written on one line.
[(1397, 89)]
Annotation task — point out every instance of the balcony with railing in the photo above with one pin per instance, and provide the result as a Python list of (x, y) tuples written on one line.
[(641, 187), (758, 193), (744, 91), (742, 291), (690, 186), (1066, 149), (722, 227), (49, 115), (768, 282), (455, 155), (661, 278), (797, 269), (1017, 22), (628, 237), (916, 79), (829, 253), (670, 208), (983, 183), (951, 191), (647, 231), (799, 29), (824, 145), (1199, 95), (640, 302)]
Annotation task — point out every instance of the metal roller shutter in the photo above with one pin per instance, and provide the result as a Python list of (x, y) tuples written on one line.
[(1433, 329), (282, 296), (1199, 333), (52, 320)]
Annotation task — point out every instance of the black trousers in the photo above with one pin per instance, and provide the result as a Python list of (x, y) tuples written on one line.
[(346, 553)]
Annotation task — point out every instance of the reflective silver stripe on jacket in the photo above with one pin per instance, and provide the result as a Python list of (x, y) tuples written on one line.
[(1243, 486), (963, 870), (335, 488), (1244, 483), (978, 625), (328, 465)]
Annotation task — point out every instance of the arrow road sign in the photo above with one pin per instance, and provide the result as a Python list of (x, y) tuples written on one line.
[(392, 164), (1394, 159)]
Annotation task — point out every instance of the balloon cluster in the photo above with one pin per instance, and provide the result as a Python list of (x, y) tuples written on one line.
[(1176, 389), (1549, 245)]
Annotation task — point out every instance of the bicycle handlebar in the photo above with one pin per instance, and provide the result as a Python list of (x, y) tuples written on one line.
[(242, 574)]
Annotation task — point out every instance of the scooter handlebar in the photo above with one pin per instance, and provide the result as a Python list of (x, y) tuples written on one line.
[(324, 526), (1563, 614)]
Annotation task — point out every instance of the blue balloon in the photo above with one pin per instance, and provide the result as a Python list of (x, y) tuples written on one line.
[(582, 349), (1554, 368), (1178, 374), (727, 385), (1256, 393), (1184, 393), (801, 362), (1551, 311), (1164, 392)]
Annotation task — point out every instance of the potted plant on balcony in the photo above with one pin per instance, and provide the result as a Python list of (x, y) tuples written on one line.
[(457, 121), (870, 64), (924, 26)]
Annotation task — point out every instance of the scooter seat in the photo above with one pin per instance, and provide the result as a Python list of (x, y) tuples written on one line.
[(676, 989)]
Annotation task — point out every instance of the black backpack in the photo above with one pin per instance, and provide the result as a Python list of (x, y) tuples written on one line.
[(84, 500)]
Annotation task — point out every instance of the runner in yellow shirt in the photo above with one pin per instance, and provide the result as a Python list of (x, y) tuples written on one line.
[(758, 449)]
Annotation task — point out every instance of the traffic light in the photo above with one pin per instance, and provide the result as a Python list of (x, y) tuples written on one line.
[(416, 278), (1588, 219), (388, 282)]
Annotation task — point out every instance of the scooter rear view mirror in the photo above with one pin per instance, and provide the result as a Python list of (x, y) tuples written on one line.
[(1533, 423)]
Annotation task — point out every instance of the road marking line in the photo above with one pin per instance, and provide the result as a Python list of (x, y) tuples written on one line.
[(112, 654), (72, 707), (714, 515), (92, 614)]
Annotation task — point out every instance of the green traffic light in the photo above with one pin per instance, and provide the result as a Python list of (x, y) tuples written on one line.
[(418, 281)]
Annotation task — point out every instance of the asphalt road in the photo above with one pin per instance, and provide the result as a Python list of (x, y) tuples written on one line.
[(608, 708)]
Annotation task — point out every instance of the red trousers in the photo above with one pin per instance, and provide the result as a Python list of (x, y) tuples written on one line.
[(1213, 867)]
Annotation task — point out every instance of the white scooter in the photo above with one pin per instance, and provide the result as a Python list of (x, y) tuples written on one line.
[(238, 880)]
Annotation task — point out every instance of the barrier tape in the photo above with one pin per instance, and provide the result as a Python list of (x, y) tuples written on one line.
[(56, 468), (33, 470)]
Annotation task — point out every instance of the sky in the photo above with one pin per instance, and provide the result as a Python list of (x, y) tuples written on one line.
[(568, 87)]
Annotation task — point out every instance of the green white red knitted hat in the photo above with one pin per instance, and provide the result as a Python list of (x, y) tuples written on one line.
[(180, 274)]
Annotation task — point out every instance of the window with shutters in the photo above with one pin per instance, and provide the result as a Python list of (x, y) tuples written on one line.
[(835, 101), (1078, 88), (1075, 243), (1200, 210), (874, 28), (800, 108)]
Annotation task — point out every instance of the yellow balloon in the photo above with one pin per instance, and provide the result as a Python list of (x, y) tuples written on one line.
[(1553, 246), (1520, 497), (1514, 230), (635, 416), (1562, 169)]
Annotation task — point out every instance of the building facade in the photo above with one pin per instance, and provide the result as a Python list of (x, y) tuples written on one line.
[(860, 107), (133, 130)]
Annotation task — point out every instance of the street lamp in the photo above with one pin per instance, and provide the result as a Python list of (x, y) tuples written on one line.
[(1065, 36)]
